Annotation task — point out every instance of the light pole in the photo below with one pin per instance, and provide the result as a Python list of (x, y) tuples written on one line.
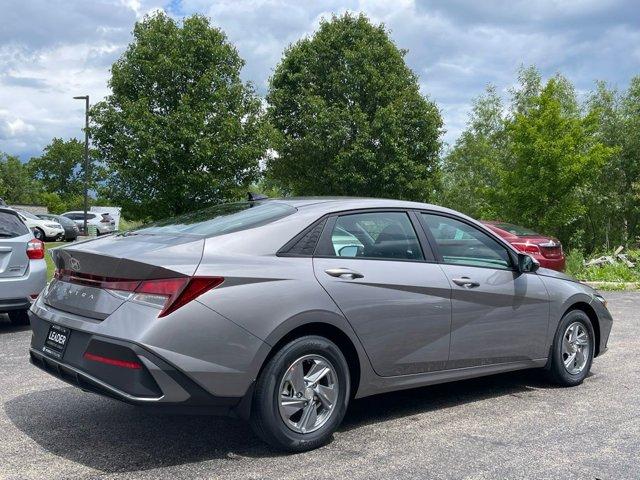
[(86, 158)]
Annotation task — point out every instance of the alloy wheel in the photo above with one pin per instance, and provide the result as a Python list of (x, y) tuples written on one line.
[(308, 393), (575, 348)]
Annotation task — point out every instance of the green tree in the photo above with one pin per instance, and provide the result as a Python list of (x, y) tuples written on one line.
[(350, 116), (180, 129), (630, 158), (60, 168), (472, 169), (16, 183), (607, 195), (554, 153)]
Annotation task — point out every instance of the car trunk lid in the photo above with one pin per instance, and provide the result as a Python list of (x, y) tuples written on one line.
[(87, 274), (13, 256)]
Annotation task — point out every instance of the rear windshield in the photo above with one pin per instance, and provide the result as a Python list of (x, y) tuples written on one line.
[(516, 229), (221, 219), (11, 226), (29, 215)]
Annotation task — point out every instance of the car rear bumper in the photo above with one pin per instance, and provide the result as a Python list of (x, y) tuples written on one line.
[(156, 384), (557, 264), (16, 292)]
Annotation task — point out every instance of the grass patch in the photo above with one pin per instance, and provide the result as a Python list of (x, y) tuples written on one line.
[(617, 272), (50, 265)]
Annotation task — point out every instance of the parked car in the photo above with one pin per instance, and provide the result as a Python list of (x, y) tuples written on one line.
[(42, 229), (71, 230), (546, 250), (103, 222), (23, 271), (257, 309)]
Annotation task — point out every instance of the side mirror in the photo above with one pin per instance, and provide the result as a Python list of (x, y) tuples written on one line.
[(348, 251), (527, 263)]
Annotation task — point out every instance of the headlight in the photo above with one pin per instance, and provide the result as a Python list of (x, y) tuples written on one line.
[(601, 299), (52, 225)]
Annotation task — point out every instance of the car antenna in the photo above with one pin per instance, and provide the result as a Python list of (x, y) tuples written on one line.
[(254, 197)]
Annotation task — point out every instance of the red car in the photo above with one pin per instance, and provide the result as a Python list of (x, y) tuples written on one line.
[(546, 250)]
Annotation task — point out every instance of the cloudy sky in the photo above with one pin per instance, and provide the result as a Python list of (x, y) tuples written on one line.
[(51, 50)]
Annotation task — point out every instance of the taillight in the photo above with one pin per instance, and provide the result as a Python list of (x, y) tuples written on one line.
[(168, 294), (35, 249), (172, 293), (527, 248)]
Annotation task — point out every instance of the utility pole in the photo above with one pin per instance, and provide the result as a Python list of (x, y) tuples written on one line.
[(86, 159)]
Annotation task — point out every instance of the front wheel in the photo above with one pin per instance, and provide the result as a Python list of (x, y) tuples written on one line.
[(301, 395), (573, 349)]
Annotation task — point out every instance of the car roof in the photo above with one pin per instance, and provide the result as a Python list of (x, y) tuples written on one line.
[(9, 210), (337, 204)]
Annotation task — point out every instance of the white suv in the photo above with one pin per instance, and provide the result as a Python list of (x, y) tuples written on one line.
[(42, 229), (102, 221)]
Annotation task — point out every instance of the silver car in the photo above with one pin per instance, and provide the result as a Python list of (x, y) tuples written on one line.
[(282, 311), (23, 271)]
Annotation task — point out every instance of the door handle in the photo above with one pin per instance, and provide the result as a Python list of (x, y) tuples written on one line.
[(343, 273), (465, 282)]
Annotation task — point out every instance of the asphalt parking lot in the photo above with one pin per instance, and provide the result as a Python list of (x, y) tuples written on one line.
[(509, 426)]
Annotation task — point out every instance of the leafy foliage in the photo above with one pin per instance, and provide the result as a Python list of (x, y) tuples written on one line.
[(60, 167), (180, 129), (471, 171), (535, 163), (16, 184), (350, 117)]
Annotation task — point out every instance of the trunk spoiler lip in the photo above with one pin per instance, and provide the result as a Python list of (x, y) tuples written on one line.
[(65, 255)]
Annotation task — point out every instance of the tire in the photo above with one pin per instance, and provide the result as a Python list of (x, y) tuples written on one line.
[(19, 317), (39, 234), (313, 354), (571, 375)]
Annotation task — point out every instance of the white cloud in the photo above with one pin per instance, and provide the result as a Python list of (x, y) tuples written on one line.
[(51, 50)]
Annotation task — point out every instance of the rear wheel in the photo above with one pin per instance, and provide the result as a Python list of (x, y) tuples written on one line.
[(19, 317), (38, 233), (301, 395), (573, 349)]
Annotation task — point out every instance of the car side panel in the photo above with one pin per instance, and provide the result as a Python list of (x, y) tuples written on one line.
[(565, 294), (503, 319), (269, 296)]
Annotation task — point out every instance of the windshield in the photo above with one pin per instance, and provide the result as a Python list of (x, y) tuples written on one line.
[(516, 230), (221, 219)]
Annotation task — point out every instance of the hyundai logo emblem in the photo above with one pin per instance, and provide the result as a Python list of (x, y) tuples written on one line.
[(74, 263)]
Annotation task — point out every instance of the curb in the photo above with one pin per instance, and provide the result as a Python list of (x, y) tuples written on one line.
[(613, 285)]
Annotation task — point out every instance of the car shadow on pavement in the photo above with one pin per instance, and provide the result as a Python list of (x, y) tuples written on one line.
[(114, 437), (404, 403), (6, 327)]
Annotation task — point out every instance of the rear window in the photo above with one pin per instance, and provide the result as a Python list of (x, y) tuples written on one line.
[(29, 215), (516, 229), (221, 219), (11, 226)]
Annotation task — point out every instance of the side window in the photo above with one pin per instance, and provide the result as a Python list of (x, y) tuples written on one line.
[(380, 235), (462, 244), (90, 216)]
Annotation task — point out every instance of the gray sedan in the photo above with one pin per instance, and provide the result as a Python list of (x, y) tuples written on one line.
[(282, 311)]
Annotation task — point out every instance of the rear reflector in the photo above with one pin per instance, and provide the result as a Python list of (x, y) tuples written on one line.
[(112, 361), (35, 249), (168, 294)]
